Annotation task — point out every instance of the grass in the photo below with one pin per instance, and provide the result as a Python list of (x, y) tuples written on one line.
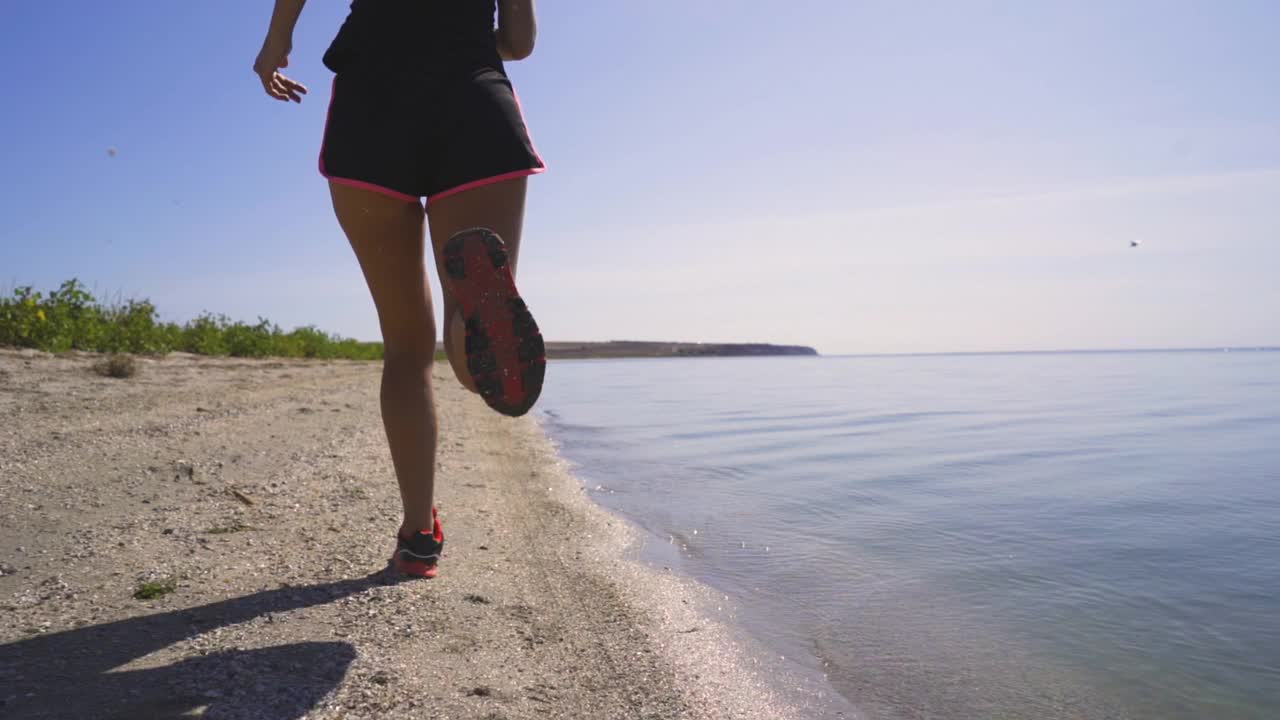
[(156, 588), (356, 492), (70, 318)]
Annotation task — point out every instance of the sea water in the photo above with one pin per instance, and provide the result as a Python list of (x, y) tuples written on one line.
[(1072, 535)]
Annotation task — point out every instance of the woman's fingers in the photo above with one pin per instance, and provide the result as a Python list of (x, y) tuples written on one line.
[(269, 85), (268, 79), (280, 92), (267, 66), (293, 88), (274, 88), (281, 87)]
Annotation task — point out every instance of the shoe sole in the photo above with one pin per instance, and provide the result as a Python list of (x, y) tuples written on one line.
[(413, 568), (506, 356)]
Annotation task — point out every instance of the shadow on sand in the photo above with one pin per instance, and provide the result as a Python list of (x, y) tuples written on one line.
[(69, 674)]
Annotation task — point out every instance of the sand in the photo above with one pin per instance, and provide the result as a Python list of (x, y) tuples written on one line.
[(257, 497)]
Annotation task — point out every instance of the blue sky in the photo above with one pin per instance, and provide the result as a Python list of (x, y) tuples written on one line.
[(857, 176)]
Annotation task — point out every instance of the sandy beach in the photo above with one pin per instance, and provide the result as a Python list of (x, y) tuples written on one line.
[(255, 500)]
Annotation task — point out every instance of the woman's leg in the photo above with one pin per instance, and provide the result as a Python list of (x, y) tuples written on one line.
[(498, 207), (388, 236)]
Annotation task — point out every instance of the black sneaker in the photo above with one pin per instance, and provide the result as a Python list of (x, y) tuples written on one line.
[(419, 554)]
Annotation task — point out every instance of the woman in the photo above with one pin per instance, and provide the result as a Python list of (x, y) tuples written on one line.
[(422, 107)]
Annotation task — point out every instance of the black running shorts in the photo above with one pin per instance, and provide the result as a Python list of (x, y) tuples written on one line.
[(411, 133)]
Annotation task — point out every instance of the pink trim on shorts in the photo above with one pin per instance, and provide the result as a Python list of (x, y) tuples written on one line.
[(375, 188), (348, 181), (504, 176), (485, 181)]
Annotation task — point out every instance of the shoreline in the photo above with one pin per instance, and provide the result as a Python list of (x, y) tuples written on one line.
[(257, 496), (718, 660), (658, 578)]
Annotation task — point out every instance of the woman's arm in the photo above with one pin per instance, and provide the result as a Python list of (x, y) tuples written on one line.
[(275, 52), (285, 17), (517, 29)]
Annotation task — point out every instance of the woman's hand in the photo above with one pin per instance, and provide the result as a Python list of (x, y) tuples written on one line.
[(275, 55)]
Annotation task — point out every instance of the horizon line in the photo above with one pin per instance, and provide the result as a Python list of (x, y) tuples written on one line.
[(1071, 351)]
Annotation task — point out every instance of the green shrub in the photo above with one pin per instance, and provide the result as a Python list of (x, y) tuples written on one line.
[(70, 318), (156, 588), (250, 340), (205, 335)]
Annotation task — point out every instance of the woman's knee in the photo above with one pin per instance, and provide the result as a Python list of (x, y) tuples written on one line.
[(415, 354), (410, 339)]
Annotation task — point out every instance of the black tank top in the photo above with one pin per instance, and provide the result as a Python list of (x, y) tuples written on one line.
[(431, 35)]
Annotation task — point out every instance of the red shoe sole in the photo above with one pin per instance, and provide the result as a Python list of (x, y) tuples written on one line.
[(505, 352), (416, 569)]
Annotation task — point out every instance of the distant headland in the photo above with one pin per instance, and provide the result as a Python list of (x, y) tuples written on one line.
[(560, 350)]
